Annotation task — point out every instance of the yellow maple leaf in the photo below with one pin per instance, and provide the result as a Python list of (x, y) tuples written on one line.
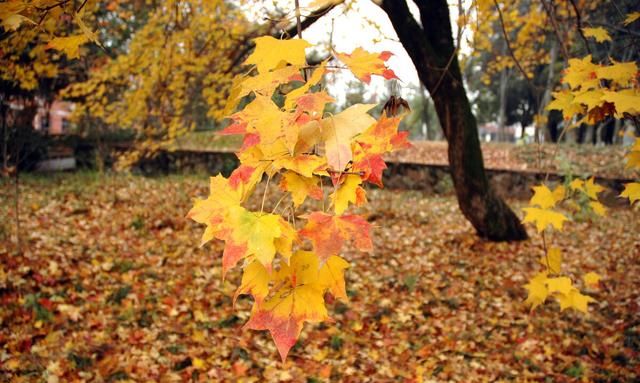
[(590, 98), (564, 102), (85, 29), (271, 52), (631, 191), (543, 218), (301, 187), (298, 301), (560, 285), (257, 230), (69, 45), (348, 191), (631, 17), (212, 211), (544, 198), (198, 363), (581, 74), (295, 94), (553, 260), (255, 281), (633, 160), (625, 101), (337, 131), (538, 291), (576, 184), (575, 300), (598, 208), (592, 189), (599, 34), (591, 279), (13, 21), (332, 276), (622, 73)]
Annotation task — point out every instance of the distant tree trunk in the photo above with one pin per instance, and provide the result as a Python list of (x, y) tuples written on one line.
[(425, 114), (432, 51), (502, 111)]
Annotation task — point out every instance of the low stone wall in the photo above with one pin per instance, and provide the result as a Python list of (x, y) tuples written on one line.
[(398, 175)]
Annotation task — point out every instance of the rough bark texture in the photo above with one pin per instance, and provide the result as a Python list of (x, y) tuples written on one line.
[(432, 51)]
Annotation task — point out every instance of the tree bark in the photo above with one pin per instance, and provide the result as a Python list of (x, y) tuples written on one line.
[(432, 51)]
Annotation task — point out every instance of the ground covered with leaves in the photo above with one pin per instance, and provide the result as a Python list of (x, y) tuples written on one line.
[(111, 286)]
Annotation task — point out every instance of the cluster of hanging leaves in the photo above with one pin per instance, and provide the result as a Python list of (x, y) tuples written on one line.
[(592, 93), (596, 91), (288, 266), (580, 195)]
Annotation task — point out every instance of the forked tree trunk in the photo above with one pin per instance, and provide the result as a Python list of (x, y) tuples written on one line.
[(432, 51)]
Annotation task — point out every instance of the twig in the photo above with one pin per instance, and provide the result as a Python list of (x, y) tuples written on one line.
[(511, 52), (556, 29), (579, 25)]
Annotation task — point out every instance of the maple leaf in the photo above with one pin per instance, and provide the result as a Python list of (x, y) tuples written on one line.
[(77, 17), (314, 103), (364, 64), (633, 159), (575, 300), (564, 102), (304, 164), (255, 281), (337, 131), (599, 34), (591, 279), (598, 208), (622, 73), (293, 96), (581, 73), (553, 260), (13, 21), (69, 45), (299, 301), (631, 191), (544, 198), (264, 117), (592, 189), (371, 165), (256, 231), (381, 138), (590, 98), (537, 290), (631, 17), (560, 285), (212, 211), (626, 101), (576, 184), (328, 233), (301, 187), (543, 218), (332, 276), (271, 52), (348, 191)]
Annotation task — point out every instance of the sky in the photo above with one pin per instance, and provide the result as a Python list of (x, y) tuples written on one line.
[(367, 26), (364, 25)]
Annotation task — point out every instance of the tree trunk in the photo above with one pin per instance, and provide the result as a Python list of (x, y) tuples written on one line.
[(432, 52), (502, 111)]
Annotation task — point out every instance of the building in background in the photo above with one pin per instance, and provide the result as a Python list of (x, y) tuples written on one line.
[(55, 119)]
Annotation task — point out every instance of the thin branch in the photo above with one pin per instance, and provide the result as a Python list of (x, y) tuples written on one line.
[(579, 25), (511, 52), (298, 24), (556, 29)]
